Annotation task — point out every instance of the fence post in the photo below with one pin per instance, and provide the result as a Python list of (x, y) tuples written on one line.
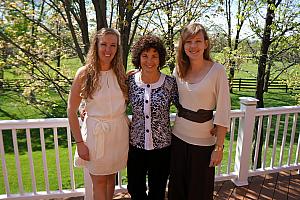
[(88, 185), (244, 140)]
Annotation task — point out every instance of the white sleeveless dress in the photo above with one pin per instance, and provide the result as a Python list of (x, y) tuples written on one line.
[(105, 128)]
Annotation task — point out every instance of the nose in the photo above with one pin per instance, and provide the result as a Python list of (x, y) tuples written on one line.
[(193, 44), (150, 61), (108, 49)]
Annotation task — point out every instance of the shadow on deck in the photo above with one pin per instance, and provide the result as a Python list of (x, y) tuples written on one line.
[(283, 185)]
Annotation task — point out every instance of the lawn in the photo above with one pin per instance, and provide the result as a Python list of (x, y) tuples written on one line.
[(39, 172)]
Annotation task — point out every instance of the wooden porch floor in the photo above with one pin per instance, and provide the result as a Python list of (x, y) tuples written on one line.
[(284, 185)]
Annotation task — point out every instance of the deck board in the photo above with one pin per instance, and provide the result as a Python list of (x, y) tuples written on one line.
[(254, 187), (284, 185), (294, 186), (268, 186)]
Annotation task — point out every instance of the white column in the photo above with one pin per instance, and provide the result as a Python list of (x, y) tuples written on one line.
[(244, 140), (88, 185)]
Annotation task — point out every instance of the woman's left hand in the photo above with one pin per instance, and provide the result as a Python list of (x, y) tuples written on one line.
[(131, 72), (216, 158)]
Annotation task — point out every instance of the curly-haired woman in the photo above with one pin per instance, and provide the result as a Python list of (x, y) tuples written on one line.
[(150, 95), (102, 142)]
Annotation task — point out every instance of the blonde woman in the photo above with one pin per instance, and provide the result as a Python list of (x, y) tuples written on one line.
[(203, 88), (102, 142)]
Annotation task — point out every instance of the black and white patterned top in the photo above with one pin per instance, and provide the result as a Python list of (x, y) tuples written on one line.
[(150, 128)]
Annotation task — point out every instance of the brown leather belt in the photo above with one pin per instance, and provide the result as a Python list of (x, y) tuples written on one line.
[(200, 116)]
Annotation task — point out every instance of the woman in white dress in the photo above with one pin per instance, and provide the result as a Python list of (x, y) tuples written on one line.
[(102, 142)]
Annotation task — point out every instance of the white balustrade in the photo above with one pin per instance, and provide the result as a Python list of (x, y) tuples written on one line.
[(279, 137)]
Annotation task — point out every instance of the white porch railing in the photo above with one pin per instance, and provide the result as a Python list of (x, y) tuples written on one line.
[(279, 126)]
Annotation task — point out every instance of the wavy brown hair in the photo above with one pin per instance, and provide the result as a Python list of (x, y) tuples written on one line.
[(145, 43), (183, 61), (91, 74)]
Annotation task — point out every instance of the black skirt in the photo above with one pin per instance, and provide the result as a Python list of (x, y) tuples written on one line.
[(191, 178)]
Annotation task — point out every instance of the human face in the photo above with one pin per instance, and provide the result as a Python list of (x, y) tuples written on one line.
[(149, 60), (107, 48), (195, 45)]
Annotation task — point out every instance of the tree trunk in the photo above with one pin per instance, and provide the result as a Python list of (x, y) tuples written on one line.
[(261, 70), (58, 57), (267, 77), (126, 12), (67, 8), (266, 42), (170, 38), (100, 8), (3, 55), (84, 27)]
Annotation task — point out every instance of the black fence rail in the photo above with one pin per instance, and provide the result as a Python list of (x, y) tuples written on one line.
[(237, 83), (250, 83), (21, 84)]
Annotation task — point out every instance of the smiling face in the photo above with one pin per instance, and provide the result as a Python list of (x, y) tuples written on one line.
[(149, 60), (195, 45), (107, 48)]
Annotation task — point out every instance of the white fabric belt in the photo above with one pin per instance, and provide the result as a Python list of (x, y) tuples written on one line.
[(102, 127)]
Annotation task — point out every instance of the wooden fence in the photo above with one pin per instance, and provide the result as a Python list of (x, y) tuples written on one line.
[(250, 83), (237, 83), (21, 84)]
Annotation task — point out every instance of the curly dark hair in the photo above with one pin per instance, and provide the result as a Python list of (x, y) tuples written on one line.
[(145, 43)]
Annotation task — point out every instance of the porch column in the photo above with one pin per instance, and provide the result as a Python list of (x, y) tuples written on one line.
[(88, 185), (244, 140)]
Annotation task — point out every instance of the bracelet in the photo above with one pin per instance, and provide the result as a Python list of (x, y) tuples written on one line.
[(79, 142), (218, 148)]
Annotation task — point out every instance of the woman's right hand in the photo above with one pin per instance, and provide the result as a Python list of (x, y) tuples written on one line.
[(82, 114), (83, 151)]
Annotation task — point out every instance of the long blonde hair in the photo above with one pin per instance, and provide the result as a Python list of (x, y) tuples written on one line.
[(183, 61), (92, 70)]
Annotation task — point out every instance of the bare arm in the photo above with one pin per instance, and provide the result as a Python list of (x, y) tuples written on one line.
[(73, 105), (221, 132), (217, 154)]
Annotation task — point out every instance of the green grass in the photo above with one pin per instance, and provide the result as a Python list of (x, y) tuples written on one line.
[(39, 173), (268, 156)]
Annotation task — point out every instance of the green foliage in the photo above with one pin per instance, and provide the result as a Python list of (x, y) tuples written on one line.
[(38, 42)]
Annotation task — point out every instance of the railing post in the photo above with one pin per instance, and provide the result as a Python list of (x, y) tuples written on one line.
[(244, 140), (88, 185)]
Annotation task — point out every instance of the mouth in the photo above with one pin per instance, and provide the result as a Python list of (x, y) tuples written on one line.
[(193, 52), (107, 55), (150, 66)]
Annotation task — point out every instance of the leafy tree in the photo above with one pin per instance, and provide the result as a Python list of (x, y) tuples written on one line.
[(281, 23), (35, 41), (281, 27), (170, 20), (243, 11)]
